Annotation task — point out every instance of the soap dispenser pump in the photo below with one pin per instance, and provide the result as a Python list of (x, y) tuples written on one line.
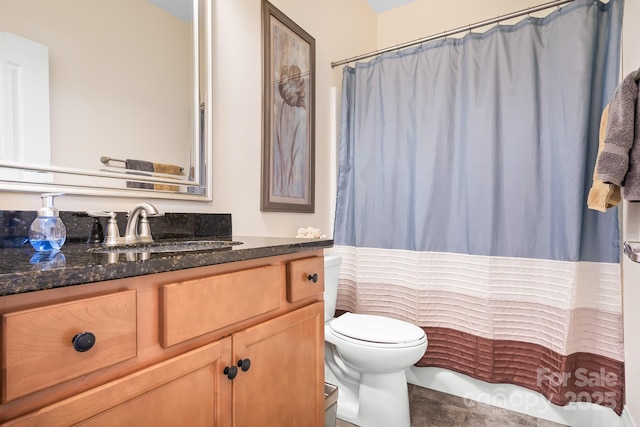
[(47, 231)]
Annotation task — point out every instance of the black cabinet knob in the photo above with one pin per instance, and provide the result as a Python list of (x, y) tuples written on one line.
[(244, 364), (313, 277), (231, 372), (83, 341)]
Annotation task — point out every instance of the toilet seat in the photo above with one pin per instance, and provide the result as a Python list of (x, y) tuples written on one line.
[(376, 330)]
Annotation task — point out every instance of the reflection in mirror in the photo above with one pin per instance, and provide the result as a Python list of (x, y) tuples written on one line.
[(105, 94)]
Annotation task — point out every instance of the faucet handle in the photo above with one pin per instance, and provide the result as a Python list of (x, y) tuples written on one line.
[(144, 228), (113, 233)]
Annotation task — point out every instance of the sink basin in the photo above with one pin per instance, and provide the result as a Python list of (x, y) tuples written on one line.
[(168, 246)]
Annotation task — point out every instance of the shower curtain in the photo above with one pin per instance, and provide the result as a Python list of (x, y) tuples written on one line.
[(464, 169)]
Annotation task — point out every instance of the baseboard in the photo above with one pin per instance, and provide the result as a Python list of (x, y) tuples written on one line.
[(517, 399)]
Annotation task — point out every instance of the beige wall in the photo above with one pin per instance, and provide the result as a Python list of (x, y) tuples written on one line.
[(423, 18)]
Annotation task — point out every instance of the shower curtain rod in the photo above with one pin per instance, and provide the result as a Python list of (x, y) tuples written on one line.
[(456, 31)]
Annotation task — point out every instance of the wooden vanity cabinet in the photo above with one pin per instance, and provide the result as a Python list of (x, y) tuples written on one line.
[(241, 354)]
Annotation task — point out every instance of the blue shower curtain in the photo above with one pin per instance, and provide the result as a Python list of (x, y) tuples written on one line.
[(483, 147)]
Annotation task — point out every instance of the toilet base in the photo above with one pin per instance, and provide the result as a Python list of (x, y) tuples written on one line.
[(379, 400)]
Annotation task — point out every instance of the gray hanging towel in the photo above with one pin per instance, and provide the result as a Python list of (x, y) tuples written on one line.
[(139, 165), (619, 161)]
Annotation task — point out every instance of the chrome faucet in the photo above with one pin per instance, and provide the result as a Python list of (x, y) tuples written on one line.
[(138, 229)]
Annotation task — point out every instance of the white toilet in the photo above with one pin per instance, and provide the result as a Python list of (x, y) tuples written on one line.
[(365, 356)]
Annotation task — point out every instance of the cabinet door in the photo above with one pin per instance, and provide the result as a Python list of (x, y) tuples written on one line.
[(187, 390), (284, 385)]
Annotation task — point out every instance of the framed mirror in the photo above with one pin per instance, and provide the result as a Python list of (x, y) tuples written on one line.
[(106, 97)]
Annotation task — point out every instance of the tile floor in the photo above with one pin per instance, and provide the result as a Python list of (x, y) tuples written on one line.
[(434, 409)]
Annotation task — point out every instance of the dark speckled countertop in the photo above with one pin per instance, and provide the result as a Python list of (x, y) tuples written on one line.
[(22, 269)]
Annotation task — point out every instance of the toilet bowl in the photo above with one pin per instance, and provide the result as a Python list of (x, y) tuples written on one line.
[(366, 357)]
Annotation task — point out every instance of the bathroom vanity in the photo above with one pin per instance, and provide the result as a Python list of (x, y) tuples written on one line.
[(202, 338)]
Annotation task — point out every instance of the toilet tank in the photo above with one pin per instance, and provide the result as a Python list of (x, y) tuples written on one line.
[(331, 275)]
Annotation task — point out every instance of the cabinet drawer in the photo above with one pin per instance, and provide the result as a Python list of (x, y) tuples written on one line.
[(305, 277), (37, 347), (196, 307)]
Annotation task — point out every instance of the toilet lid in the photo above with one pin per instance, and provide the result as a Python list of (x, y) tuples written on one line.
[(372, 328)]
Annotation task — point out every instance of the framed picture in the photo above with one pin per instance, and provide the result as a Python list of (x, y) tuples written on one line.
[(288, 147)]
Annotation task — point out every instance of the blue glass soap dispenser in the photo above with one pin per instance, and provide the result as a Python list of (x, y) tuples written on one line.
[(47, 231)]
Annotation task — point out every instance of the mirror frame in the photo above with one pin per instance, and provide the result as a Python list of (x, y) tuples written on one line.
[(202, 67)]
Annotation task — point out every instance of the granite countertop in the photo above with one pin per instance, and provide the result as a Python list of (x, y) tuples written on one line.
[(23, 269)]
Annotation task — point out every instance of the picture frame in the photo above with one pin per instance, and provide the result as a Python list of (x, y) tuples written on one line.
[(288, 146)]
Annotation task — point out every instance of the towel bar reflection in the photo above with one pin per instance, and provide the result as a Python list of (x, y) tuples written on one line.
[(632, 250), (107, 159)]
